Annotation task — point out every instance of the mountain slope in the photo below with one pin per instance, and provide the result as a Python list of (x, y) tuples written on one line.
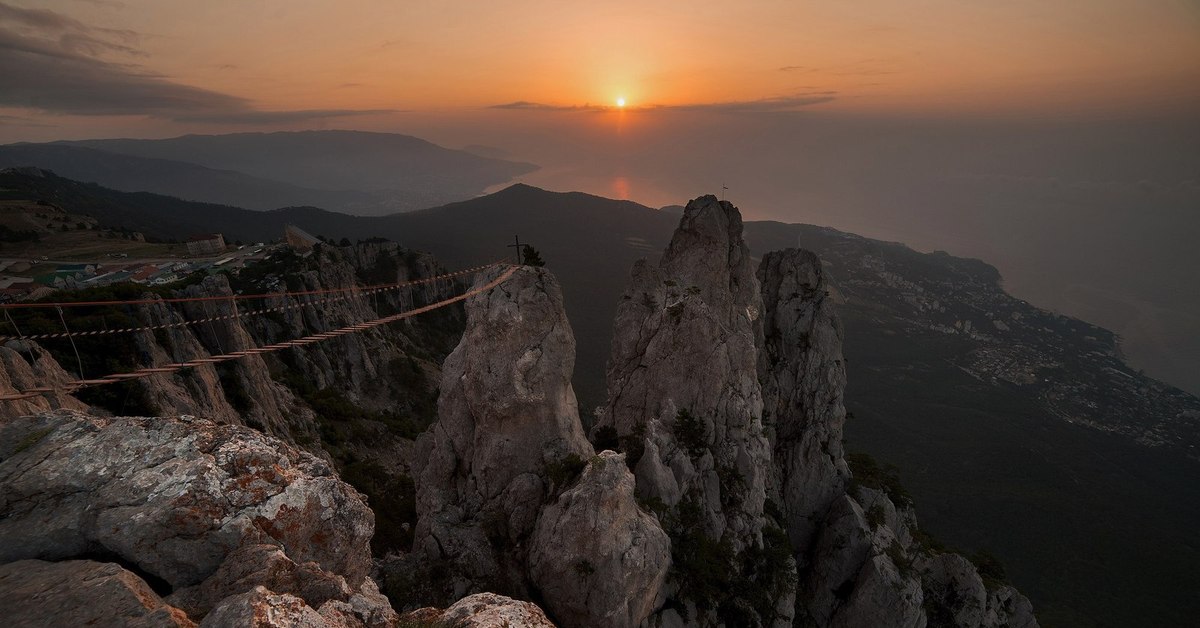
[(185, 180)]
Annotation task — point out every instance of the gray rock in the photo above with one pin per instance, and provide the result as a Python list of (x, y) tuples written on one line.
[(212, 510), (263, 608), (955, 595), (483, 610), (597, 558), (803, 379), (684, 340), (35, 593), (25, 365), (506, 414), (883, 597)]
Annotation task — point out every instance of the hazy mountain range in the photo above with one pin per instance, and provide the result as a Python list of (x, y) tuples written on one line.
[(349, 171)]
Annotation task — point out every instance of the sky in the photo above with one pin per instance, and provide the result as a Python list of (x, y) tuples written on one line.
[(74, 68)]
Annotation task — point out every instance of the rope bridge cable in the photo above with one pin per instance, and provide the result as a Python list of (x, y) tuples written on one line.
[(341, 294), (71, 387)]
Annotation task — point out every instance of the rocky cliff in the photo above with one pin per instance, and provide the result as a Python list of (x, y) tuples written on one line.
[(356, 399), (511, 497), (725, 390), (714, 489), (170, 521)]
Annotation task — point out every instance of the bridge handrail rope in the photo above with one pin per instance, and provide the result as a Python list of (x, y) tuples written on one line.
[(361, 291), (244, 297), (114, 378)]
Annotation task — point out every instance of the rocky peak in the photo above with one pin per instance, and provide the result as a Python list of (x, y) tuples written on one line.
[(683, 396), (506, 414), (803, 380), (510, 496)]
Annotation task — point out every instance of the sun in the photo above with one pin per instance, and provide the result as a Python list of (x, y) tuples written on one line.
[(621, 101)]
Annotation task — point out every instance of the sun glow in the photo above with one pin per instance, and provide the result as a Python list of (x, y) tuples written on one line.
[(621, 101)]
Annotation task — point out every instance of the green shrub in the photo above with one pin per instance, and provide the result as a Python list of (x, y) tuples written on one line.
[(393, 499), (866, 472), (690, 433), (562, 472), (876, 516), (989, 567)]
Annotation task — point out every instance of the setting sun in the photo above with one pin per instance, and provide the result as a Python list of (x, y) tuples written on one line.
[(621, 102)]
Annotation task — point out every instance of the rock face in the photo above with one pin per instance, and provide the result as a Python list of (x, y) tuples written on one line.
[(483, 610), (726, 393), (506, 412), (597, 558), (25, 365), (35, 593), (681, 379), (497, 494), (803, 380), (205, 510), (684, 399), (387, 370)]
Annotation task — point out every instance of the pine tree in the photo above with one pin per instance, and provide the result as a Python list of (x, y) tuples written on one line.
[(531, 256)]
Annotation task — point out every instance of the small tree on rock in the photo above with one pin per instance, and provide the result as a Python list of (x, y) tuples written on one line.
[(531, 256)]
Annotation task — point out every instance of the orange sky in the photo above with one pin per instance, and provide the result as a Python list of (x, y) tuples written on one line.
[(332, 58)]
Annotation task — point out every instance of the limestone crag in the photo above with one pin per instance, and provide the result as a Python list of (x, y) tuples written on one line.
[(482, 610), (702, 349), (597, 558), (35, 593), (683, 392), (204, 511), (803, 380), (510, 493), (506, 411), (386, 374), (25, 365)]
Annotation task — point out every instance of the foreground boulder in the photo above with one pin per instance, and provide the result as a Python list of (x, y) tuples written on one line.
[(482, 610), (36, 593), (597, 558), (204, 511)]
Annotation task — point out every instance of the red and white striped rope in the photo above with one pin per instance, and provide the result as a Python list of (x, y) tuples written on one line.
[(364, 291), (114, 378)]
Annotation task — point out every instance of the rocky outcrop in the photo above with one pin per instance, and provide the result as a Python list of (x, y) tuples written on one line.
[(597, 558), (682, 388), (956, 595), (36, 593), (803, 380), (206, 511), (684, 399), (482, 610), (25, 365), (385, 372), (509, 492), (506, 413)]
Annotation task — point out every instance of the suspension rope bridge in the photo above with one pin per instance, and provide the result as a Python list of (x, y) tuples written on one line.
[(304, 298)]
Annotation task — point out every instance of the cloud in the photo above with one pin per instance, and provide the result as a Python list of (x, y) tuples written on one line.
[(258, 116), (53, 63), (777, 104), (537, 106)]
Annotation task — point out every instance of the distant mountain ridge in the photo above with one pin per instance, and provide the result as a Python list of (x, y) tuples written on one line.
[(350, 171)]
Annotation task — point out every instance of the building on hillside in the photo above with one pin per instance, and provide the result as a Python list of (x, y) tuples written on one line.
[(206, 244), (299, 239)]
